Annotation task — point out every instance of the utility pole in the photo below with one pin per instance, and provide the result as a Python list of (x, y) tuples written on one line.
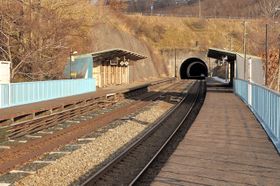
[(245, 47), (266, 53), (209, 66), (226, 71), (175, 68), (199, 8)]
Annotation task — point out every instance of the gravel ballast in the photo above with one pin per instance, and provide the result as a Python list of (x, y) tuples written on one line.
[(71, 167)]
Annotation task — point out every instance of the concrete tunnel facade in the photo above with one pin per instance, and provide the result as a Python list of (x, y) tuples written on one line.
[(193, 68)]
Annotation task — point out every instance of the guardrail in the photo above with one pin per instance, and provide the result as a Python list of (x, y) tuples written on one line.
[(265, 104), (14, 94), (160, 14)]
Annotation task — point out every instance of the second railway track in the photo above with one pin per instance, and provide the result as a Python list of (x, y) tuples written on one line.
[(36, 147), (30, 123)]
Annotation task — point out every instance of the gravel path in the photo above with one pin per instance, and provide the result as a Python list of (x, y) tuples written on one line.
[(71, 167)]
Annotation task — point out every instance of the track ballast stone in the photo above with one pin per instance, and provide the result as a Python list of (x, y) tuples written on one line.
[(71, 167)]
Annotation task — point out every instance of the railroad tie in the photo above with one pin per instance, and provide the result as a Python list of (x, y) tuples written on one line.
[(22, 171), (5, 147), (5, 184), (59, 152)]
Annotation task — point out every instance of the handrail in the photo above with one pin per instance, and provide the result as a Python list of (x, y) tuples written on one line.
[(262, 86), (265, 104)]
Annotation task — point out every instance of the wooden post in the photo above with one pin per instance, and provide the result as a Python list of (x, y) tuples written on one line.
[(199, 8), (121, 69), (106, 71), (114, 75), (119, 75), (209, 66), (109, 72), (103, 71), (128, 74), (175, 68)]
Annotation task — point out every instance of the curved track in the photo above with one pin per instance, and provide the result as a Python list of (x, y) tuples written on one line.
[(128, 166), (25, 152)]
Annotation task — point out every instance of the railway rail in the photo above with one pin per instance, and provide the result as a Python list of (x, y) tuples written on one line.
[(129, 165), (29, 123), (23, 153)]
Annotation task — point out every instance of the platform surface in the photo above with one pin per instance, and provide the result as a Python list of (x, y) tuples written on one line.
[(225, 146), (11, 112)]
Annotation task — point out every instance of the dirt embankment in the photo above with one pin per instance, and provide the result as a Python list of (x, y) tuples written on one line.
[(220, 71), (106, 36)]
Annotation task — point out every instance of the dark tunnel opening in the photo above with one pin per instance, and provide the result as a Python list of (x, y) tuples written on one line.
[(193, 68)]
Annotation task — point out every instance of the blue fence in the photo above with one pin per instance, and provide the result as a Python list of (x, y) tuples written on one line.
[(265, 104), (29, 92)]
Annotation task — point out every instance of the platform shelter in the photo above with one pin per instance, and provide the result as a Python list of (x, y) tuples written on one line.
[(107, 67), (114, 66), (239, 67)]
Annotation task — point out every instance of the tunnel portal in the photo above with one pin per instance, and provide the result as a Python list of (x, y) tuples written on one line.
[(193, 68)]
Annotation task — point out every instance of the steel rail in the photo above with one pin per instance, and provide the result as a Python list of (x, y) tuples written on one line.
[(65, 136), (102, 171), (167, 141), (22, 128)]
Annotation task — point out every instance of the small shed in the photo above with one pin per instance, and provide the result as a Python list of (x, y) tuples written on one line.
[(108, 67), (114, 66)]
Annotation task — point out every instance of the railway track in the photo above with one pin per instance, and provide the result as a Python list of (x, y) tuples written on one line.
[(25, 152), (129, 165), (31, 123)]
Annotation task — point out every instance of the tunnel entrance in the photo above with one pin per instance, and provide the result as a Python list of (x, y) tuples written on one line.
[(193, 68)]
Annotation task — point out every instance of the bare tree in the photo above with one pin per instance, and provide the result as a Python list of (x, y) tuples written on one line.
[(116, 5), (36, 35), (269, 8)]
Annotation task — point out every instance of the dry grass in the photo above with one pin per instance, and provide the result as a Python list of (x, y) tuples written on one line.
[(194, 33), (171, 32)]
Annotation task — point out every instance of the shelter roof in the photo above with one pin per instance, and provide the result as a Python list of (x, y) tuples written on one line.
[(220, 54), (117, 52)]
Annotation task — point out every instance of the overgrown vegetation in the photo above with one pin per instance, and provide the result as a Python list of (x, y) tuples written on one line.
[(273, 69), (37, 35), (176, 32)]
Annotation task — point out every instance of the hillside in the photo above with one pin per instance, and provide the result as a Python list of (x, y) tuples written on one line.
[(195, 33)]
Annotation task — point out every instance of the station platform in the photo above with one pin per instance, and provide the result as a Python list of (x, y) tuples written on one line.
[(34, 108), (225, 146)]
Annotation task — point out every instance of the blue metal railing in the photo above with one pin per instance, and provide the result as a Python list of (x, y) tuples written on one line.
[(265, 104), (29, 92)]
